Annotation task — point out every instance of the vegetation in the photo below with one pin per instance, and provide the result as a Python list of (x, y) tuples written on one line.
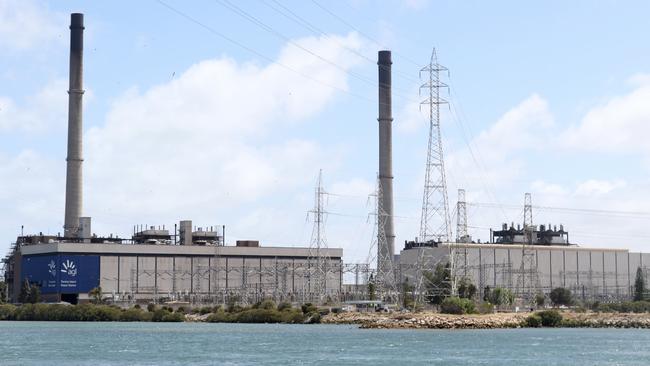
[(561, 296), (639, 285), (540, 299), (29, 294), (267, 312), (466, 289), (457, 305), (545, 318), (500, 296), (372, 288), (3, 292), (550, 318), (95, 295), (533, 321), (408, 295), (84, 312), (624, 307), (438, 283)]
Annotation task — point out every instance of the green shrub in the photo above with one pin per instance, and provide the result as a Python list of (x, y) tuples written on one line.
[(220, 317), (486, 308), (151, 308), (284, 306), (292, 316), (259, 316), (455, 305), (533, 321), (173, 317), (7, 312), (159, 314), (132, 315), (313, 317), (181, 310), (308, 308), (550, 318), (561, 296), (265, 305)]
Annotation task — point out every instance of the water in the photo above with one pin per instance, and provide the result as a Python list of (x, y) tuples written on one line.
[(54, 343)]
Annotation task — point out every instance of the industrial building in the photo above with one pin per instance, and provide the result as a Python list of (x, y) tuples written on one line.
[(190, 264), (590, 273)]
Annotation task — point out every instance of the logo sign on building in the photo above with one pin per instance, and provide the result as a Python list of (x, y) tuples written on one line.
[(62, 273)]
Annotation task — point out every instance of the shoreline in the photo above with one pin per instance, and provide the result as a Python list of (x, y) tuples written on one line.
[(431, 320)]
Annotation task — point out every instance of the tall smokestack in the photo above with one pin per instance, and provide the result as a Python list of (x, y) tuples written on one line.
[(73, 184), (386, 160)]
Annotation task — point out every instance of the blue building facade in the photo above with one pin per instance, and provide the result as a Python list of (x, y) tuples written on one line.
[(61, 273)]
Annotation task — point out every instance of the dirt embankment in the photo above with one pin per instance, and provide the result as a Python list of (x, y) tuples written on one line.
[(430, 320)]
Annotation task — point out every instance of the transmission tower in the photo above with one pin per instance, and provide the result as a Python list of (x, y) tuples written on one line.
[(528, 279), (319, 261), (461, 218), (528, 210), (434, 223), (385, 279)]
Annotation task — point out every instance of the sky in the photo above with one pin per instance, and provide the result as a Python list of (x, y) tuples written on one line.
[(224, 113)]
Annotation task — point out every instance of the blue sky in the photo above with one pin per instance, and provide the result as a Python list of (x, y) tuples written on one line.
[(549, 98)]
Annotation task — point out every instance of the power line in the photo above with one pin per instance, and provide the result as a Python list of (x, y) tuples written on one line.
[(370, 38), (253, 51)]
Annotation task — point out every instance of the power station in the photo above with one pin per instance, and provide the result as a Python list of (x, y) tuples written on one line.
[(193, 263)]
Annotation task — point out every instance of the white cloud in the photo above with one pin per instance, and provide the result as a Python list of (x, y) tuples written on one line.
[(216, 139), (618, 126), (593, 187), (37, 113), (545, 188), (524, 127), (27, 24), (356, 187)]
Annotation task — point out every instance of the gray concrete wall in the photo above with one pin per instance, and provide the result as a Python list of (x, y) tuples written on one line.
[(592, 274)]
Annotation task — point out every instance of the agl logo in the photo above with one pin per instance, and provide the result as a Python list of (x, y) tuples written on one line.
[(69, 268)]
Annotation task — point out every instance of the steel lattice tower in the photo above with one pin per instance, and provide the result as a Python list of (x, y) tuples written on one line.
[(528, 280), (461, 218), (318, 262), (434, 224), (385, 279)]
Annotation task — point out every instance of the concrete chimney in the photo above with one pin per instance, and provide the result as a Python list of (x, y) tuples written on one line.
[(386, 154), (73, 183)]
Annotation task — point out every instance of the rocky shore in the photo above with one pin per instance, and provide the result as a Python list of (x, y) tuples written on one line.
[(431, 320)]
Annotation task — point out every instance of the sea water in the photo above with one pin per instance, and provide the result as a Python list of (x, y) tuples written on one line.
[(70, 343)]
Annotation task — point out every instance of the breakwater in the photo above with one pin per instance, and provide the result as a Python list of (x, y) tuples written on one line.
[(430, 320)]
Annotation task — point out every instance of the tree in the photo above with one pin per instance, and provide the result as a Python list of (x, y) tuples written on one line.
[(487, 292), (539, 299), (501, 296), (438, 283), (3, 292), (23, 296), (371, 288), (639, 285), (561, 296), (29, 294), (34, 294), (408, 298), (466, 289), (96, 295)]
